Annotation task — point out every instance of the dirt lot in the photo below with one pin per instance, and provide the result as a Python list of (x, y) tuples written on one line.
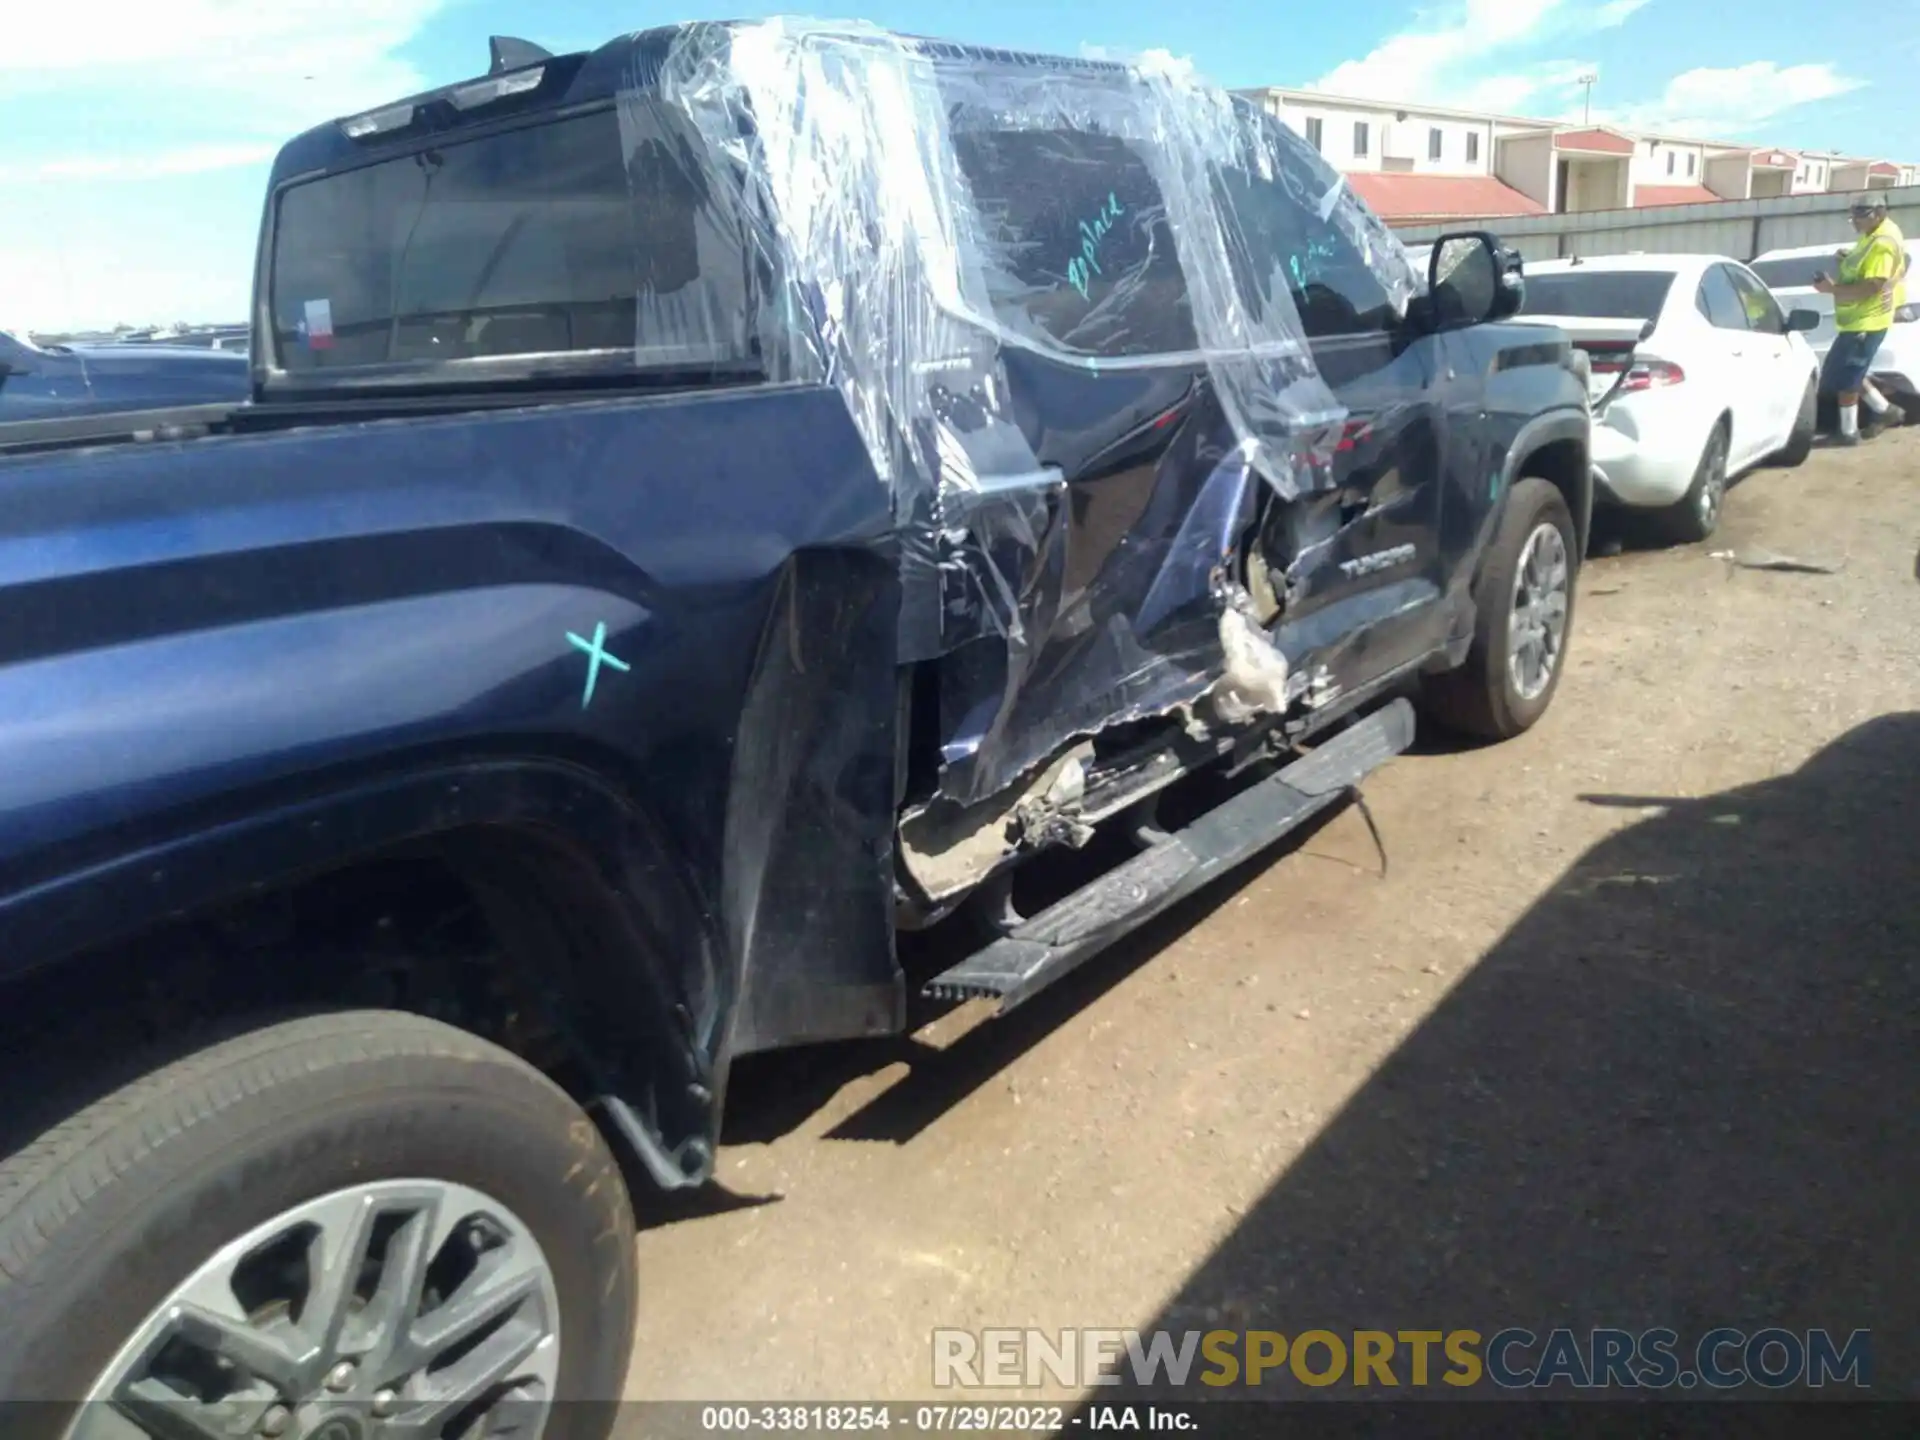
[(1626, 1034)]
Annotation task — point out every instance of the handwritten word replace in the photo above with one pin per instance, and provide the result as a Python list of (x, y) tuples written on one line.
[(1084, 266)]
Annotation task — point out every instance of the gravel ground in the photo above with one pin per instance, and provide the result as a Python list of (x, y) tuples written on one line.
[(1625, 1035)]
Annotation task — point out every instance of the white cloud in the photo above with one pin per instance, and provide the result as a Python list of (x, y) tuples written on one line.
[(83, 282), (153, 165), (96, 95), (1448, 60), (1477, 56), (250, 66), (1617, 12), (1516, 92), (1732, 100)]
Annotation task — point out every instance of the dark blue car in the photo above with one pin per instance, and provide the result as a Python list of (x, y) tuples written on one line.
[(733, 539), (60, 381)]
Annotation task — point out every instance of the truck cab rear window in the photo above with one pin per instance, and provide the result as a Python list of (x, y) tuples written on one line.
[(547, 240), (1079, 229)]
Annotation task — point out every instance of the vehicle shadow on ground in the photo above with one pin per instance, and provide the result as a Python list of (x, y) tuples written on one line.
[(1680, 1092), (1618, 530), (774, 1095)]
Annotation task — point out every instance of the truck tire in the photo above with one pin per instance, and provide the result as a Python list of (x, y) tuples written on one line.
[(1525, 582), (185, 1233)]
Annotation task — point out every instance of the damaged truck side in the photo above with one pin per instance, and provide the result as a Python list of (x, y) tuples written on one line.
[(715, 516)]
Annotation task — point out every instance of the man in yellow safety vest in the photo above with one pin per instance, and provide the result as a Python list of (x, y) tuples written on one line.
[(1870, 396), (1863, 304)]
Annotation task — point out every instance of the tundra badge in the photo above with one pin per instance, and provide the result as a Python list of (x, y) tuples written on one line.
[(1377, 561)]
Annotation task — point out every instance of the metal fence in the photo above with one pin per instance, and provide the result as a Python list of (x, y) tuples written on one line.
[(1739, 228)]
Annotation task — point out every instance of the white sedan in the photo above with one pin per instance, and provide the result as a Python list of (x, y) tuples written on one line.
[(1707, 377), (1896, 366)]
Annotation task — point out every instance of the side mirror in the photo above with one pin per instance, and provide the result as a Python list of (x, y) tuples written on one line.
[(1471, 278), (1802, 319)]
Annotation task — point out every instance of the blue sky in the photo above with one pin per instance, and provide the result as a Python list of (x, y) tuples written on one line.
[(135, 135)]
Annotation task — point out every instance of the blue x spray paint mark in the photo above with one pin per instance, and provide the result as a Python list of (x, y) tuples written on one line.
[(596, 650)]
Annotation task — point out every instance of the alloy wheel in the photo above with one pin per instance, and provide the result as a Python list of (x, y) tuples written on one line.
[(387, 1311)]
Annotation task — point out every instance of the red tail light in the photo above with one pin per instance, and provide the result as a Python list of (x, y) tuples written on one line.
[(1652, 375)]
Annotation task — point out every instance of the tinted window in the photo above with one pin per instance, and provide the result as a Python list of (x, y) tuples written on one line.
[(1796, 271), (1601, 294), (529, 242), (1080, 231), (1762, 311), (1278, 238), (1717, 300)]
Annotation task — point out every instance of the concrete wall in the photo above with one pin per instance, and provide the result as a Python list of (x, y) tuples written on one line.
[(1726, 176), (1526, 163), (1589, 186), (1411, 136), (1453, 160), (1814, 175), (1740, 228), (1651, 157), (1336, 132), (1597, 184)]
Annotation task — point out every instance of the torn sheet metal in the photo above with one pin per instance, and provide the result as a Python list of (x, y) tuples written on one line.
[(934, 226)]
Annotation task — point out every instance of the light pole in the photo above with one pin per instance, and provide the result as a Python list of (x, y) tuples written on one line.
[(1586, 83)]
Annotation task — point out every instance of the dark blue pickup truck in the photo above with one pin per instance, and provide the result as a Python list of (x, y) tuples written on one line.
[(717, 521), (58, 382)]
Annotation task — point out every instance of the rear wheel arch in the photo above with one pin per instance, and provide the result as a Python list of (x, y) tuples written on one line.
[(1563, 463), (508, 933), (1799, 442), (614, 991), (1723, 423)]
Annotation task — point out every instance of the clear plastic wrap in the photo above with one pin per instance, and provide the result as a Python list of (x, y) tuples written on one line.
[(927, 220)]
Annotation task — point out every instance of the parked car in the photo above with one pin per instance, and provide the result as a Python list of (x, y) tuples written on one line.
[(713, 512), (41, 382), (1704, 376), (1896, 367)]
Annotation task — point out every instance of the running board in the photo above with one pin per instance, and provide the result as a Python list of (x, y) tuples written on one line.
[(1053, 943)]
